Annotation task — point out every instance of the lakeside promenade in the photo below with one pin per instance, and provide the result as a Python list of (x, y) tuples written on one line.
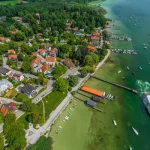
[(36, 133)]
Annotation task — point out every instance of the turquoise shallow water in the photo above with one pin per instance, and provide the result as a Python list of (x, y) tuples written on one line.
[(132, 18)]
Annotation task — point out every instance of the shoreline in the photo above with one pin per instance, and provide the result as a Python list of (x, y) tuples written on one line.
[(62, 106)]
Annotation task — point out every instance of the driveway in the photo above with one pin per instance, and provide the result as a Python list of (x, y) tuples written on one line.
[(45, 92)]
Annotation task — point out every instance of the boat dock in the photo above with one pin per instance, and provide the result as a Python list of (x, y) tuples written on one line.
[(115, 84), (124, 51)]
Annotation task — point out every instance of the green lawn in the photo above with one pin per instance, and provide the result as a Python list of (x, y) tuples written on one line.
[(52, 100), (21, 97), (1, 141), (12, 2)]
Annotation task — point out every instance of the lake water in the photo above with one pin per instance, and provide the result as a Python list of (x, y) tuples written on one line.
[(128, 109)]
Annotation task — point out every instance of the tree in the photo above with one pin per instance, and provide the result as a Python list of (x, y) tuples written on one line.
[(19, 36), (88, 60), (42, 144), (61, 85), (26, 106), (26, 67), (9, 119), (73, 80), (35, 118), (95, 58), (83, 73), (105, 35), (15, 136)]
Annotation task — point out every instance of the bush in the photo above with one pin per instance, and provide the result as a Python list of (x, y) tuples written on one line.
[(69, 89)]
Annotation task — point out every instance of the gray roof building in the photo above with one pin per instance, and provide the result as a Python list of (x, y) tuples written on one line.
[(4, 71), (28, 90), (91, 103)]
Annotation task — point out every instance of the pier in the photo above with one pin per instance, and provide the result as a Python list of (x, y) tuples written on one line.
[(115, 84)]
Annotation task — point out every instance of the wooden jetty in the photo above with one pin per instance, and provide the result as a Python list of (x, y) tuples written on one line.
[(115, 84)]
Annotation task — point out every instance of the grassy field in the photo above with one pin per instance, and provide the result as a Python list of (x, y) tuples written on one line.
[(74, 132), (12, 2), (52, 100), (21, 97)]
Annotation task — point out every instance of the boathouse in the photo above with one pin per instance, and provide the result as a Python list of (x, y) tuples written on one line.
[(91, 103), (93, 91)]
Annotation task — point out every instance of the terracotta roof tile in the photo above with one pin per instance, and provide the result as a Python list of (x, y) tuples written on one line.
[(50, 59), (92, 48), (46, 67)]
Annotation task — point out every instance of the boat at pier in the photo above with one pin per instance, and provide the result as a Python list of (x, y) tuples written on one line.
[(135, 131), (146, 101)]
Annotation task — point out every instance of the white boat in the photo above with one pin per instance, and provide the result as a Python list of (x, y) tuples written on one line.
[(145, 47), (140, 68), (128, 68), (114, 122), (135, 131), (130, 148), (119, 71)]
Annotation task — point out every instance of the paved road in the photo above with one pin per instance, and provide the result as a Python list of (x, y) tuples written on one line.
[(45, 92), (15, 71), (7, 100), (71, 72)]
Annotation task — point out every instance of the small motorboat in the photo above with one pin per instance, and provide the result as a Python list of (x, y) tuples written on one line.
[(130, 148), (119, 71), (133, 73), (127, 67), (140, 68), (135, 131), (145, 47), (114, 122), (149, 63)]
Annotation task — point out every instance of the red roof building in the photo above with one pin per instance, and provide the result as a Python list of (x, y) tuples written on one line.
[(51, 60), (36, 61), (68, 63), (91, 48), (11, 51), (10, 107), (13, 57), (46, 68)]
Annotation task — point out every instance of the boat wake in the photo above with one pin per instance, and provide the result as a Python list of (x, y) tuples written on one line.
[(143, 86)]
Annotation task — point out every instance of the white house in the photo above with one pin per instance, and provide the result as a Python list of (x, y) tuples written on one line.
[(4, 85)]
